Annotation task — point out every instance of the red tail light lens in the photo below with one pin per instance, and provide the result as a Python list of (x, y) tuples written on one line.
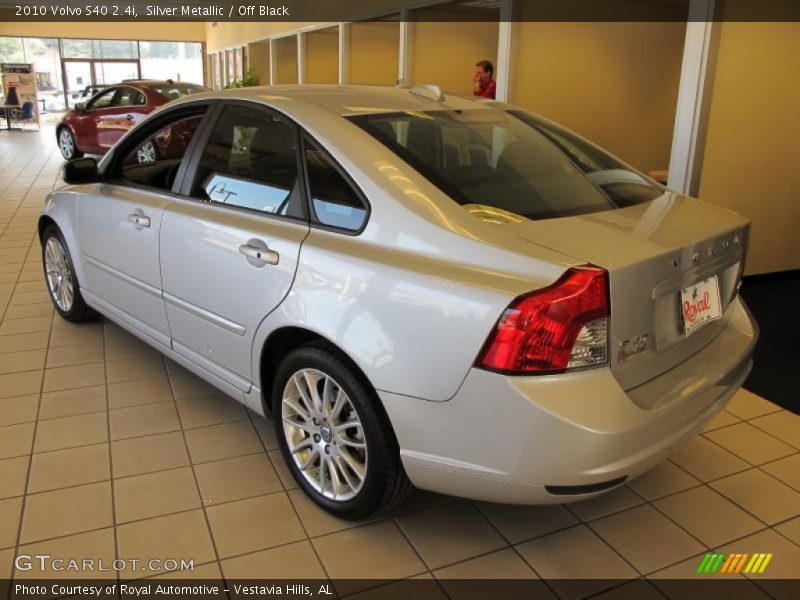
[(558, 328)]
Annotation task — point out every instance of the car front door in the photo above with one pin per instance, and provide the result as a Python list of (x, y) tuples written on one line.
[(120, 221), (128, 108), (85, 122), (231, 240)]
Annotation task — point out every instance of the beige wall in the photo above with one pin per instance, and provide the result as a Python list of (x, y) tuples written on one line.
[(322, 56), (227, 35), (445, 53), (258, 60), (189, 31), (752, 155), (286, 60), (374, 53), (615, 83)]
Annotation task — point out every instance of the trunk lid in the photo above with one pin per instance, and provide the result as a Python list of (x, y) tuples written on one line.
[(652, 251)]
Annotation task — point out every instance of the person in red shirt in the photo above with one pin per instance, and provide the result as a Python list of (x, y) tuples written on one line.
[(485, 86)]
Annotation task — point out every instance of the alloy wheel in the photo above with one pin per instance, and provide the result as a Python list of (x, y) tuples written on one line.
[(66, 143), (146, 153), (59, 274), (324, 434)]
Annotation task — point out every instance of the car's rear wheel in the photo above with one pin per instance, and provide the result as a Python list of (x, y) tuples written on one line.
[(62, 283), (66, 143), (335, 436)]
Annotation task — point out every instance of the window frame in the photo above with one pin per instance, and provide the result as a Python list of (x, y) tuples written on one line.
[(187, 178), (114, 91), (191, 172), (137, 92), (112, 164), (348, 179)]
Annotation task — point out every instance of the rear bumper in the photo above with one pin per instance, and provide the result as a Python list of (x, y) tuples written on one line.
[(519, 439)]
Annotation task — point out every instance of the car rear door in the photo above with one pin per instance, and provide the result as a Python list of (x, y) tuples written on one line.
[(231, 240), (120, 221)]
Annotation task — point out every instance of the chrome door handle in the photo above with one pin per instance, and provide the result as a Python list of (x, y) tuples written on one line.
[(139, 219), (129, 117), (258, 254)]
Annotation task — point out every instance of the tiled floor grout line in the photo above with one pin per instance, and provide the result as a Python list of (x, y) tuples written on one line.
[(752, 467), (772, 462), (764, 431), (580, 521), (30, 467), (767, 527), (513, 548), (24, 498), (110, 463), (686, 531), (198, 489), (602, 539), (289, 498), (385, 584), (413, 547), (611, 589), (21, 202)]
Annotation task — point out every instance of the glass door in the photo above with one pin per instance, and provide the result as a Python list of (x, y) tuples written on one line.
[(77, 77)]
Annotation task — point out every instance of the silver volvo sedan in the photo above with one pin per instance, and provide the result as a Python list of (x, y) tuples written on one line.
[(420, 289)]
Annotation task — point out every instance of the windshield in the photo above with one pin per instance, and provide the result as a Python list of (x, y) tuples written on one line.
[(495, 162), (173, 91)]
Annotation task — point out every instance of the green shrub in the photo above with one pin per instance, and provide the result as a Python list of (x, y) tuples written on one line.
[(250, 79)]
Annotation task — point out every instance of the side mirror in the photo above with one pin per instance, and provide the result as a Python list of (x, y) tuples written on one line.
[(80, 170), (80, 106)]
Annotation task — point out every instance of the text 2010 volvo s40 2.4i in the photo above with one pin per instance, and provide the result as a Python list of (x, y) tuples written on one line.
[(419, 289)]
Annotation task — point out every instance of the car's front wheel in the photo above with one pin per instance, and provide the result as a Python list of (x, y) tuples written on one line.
[(66, 143), (62, 283), (335, 436)]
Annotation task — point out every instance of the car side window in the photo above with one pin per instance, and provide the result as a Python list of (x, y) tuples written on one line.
[(334, 200), (102, 100), (153, 161), (250, 161), (130, 97)]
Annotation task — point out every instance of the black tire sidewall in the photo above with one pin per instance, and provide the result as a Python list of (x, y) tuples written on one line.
[(373, 491)]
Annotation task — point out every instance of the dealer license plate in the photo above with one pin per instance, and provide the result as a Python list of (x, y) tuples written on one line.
[(700, 303)]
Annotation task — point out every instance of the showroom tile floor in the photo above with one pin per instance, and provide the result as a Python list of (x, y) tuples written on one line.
[(109, 450)]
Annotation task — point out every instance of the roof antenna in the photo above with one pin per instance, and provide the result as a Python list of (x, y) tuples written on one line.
[(430, 91)]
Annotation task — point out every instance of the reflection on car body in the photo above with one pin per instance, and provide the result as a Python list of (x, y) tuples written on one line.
[(94, 126)]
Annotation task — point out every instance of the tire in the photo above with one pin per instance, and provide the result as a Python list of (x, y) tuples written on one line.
[(67, 145), (384, 482), (62, 282)]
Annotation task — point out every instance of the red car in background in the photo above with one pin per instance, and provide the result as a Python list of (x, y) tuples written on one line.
[(93, 127)]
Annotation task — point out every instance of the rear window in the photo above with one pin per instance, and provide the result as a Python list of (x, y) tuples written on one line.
[(490, 161), (173, 91)]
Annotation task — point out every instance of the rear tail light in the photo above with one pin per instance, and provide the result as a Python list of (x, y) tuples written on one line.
[(555, 329)]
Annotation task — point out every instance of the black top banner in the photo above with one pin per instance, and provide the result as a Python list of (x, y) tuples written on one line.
[(422, 10)]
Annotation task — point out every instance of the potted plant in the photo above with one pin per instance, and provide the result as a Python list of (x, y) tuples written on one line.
[(249, 79)]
